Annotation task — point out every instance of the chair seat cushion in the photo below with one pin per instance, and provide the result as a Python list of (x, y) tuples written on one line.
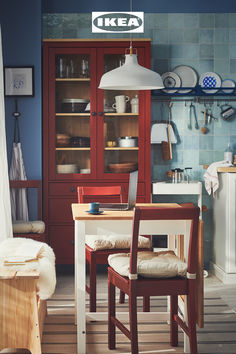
[(164, 264), (102, 242), (26, 227)]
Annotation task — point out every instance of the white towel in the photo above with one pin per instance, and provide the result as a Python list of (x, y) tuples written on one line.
[(211, 176), (159, 133)]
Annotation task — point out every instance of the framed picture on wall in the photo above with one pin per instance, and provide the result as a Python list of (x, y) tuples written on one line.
[(19, 81)]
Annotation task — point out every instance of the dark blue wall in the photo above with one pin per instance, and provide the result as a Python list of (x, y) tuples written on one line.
[(58, 6), (21, 36)]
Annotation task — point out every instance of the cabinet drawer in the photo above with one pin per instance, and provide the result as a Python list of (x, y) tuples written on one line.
[(70, 189), (61, 239), (60, 210)]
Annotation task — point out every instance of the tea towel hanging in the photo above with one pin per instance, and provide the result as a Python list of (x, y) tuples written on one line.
[(19, 203)]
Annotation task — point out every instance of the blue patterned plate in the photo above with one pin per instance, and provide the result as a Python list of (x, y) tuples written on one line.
[(211, 80)]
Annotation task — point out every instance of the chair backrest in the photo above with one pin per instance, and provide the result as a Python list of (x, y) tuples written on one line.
[(158, 213), (114, 194), (31, 184)]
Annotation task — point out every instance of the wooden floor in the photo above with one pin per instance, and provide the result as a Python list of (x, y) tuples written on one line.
[(59, 337), (218, 335)]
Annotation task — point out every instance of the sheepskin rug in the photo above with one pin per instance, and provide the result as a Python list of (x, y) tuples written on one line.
[(43, 257)]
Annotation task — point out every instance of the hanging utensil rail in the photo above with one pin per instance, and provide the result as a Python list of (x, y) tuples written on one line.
[(194, 99)]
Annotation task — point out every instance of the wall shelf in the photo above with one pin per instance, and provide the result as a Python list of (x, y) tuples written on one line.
[(197, 94)]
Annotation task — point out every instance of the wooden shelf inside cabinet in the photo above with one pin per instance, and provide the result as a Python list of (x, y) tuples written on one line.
[(121, 114), (121, 148), (68, 79), (73, 115), (73, 148)]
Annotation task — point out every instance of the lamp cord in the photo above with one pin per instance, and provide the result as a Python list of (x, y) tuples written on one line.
[(131, 45)]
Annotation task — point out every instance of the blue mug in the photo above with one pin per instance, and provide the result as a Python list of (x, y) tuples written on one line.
[(94, 207)]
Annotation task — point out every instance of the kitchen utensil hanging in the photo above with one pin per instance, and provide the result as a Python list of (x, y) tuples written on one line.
[(192, 113), (166, 145)]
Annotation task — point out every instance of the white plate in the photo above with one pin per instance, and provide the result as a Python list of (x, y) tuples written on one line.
[(210, 79), (188, 77), (228, 83), (171, 80)]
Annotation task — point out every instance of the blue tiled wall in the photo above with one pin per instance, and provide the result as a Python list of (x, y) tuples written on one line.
[(204, 41)]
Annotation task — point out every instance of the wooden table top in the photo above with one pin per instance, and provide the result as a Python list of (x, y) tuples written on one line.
[(231, 169), (79, 211)]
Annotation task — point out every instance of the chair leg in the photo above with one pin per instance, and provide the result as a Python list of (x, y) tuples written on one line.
[(92, 285), (192, 319), (133, 322), (122, 297), (173, 323), (111, 313), (146, 304)]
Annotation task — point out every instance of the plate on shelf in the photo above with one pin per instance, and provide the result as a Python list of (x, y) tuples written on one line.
[(188, 77), (171, 80), (228, 83), (211, 80)]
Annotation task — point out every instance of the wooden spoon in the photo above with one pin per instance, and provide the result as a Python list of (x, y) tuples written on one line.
[(204, 129)]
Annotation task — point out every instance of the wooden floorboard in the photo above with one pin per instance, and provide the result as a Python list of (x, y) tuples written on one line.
[(59, 337), (217, 336)]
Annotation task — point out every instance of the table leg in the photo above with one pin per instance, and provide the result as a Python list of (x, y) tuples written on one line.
[(80, 282)]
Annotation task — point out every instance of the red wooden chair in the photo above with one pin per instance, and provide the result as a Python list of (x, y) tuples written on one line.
[(136, 285), (114, 194), (41, 234)]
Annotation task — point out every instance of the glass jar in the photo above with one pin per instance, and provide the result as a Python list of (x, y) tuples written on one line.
[(188, 174)]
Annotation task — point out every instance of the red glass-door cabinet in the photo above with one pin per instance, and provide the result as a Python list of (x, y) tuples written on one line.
[(83, 134)]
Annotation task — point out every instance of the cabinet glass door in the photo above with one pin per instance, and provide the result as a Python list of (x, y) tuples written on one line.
[(74, 132), (121, 125)]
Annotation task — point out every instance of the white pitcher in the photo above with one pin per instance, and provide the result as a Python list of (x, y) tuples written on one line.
[(120, 103)]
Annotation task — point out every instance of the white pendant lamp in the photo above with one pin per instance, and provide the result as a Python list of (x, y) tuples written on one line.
[(131, 76)]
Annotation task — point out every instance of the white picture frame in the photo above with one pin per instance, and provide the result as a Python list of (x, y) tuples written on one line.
[(19, 81)]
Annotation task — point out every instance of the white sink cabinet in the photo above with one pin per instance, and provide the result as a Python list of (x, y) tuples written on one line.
[(224, 231)]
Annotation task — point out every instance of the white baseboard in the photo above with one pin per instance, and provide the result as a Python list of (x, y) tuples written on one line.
[(226, 278)]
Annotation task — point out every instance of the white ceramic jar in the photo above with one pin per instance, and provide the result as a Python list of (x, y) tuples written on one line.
[(134, 104)]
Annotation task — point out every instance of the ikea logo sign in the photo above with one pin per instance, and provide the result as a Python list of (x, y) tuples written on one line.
[(117, 22)]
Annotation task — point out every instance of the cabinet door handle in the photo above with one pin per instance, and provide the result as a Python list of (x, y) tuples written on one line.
[(100, 114), (72, 242), (94, 114), (72, 189)]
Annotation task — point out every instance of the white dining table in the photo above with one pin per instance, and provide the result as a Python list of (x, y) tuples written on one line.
[(120, 222)]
